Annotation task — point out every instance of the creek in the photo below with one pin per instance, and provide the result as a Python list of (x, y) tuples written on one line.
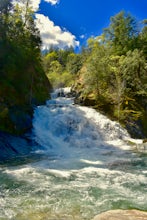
[(82, 164)]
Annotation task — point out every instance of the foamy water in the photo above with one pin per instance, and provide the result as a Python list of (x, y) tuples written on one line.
[(85, 166)]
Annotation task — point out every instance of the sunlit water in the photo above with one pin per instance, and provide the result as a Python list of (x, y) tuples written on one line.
[(81, 166)]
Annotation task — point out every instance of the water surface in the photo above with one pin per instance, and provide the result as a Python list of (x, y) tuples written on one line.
[(81, 166)]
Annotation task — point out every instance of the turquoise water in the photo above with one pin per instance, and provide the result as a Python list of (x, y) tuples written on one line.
[(81, 166), (35, 191)]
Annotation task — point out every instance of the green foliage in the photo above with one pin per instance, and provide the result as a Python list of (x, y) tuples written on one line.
[(134, 69), (110, 73), (64, 79), (114, 71), (95, 77), (23, 82), (143, 39), (74, 63), (61, 67), (122, 32)]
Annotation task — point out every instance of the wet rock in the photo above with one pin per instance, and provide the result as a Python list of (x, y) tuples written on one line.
[(142, 147), (21, 119), (122, 215), (145, 140), (135, 128), (12, 146)]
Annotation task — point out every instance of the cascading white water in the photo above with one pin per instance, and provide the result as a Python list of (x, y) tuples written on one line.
[(85, 167)]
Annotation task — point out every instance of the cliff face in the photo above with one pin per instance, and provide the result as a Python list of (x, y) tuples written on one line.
[(23, 83), (19, 94)]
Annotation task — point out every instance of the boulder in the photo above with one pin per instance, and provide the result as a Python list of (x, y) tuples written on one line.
[(12, 146), (122, 215)]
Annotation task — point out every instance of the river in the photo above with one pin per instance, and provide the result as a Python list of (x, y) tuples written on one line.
[(82, 164)]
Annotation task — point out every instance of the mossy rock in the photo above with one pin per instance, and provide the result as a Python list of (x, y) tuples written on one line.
[(16, 120)]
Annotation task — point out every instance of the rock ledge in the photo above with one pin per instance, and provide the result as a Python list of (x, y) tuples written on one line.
[(122, 215)]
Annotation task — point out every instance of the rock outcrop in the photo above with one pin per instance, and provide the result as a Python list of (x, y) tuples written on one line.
[(122, 215), (12, 146)]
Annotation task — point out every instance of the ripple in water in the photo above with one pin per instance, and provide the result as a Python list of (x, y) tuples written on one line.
[(81, 167)]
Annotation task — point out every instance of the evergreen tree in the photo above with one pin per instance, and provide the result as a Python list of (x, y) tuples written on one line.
[(122, 33), (143, 39), (95, 77)]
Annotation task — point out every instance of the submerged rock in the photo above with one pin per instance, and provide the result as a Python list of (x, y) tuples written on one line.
[(122, 215), (12, 146)]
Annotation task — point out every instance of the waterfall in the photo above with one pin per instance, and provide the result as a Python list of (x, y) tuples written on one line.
[(84, 165), (63, 121)]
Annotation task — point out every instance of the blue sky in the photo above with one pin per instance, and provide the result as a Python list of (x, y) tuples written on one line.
[(71, 22)]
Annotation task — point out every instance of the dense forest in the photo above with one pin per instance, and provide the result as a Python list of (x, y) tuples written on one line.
[(23, 82), (110, 72)]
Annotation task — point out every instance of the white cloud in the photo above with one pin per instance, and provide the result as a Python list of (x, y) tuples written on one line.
[(53, 2), (82, 36), (35, 4), (53, 35)]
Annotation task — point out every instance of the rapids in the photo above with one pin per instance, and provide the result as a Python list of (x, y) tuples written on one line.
[(82, 165)]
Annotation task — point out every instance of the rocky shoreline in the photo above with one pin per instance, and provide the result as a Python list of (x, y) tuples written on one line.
[(122, 215)]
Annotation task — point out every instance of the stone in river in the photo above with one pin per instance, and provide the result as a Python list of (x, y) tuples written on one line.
[(122, 215)]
